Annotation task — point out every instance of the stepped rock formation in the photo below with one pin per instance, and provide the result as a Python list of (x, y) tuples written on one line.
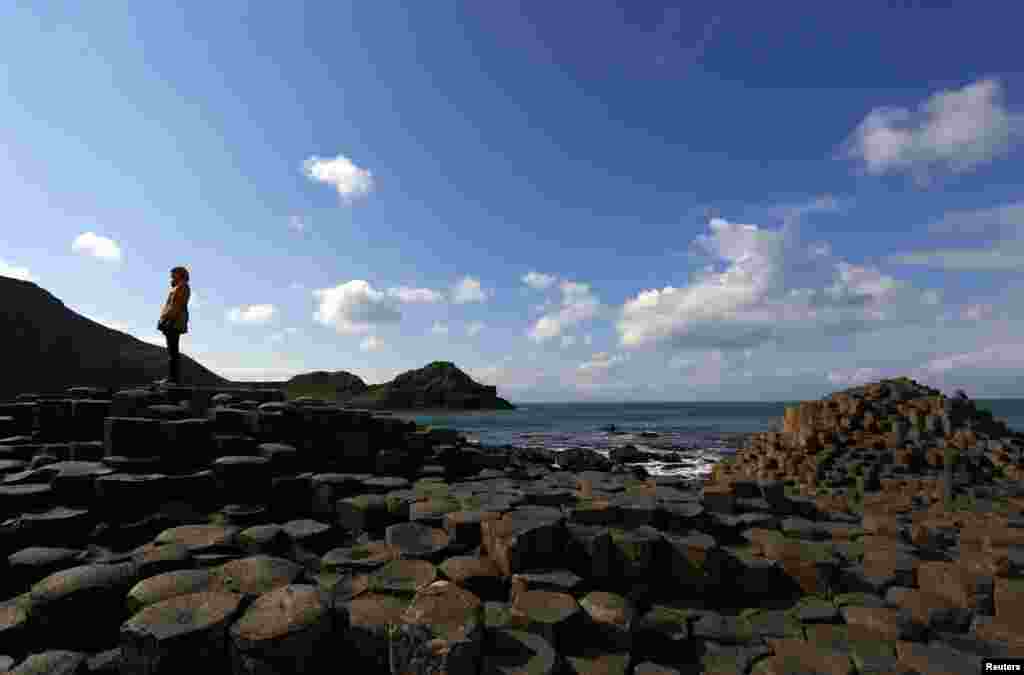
[(47, 347), (163, 530), (437, 385), (344, 383)]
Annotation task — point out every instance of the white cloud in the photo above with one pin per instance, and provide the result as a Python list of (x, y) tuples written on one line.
[(769, 288), (349, 180), (296, 224), (601, 363), (956, 130), (9, 270), (371, 343), (90, 243), (468, 290), (962, 259), (415, 295), (439, 328), (354, 307), (251, 314), (568, 341), (578, 304), (473, 328), (999, 357), (539, 281), (995, 237)]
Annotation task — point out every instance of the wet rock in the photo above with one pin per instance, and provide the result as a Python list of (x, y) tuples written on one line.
[(310, 535), (178, 634), (440, 632), (53, 662), (402, 577), (559, 581), (284, 630), (416, 541)]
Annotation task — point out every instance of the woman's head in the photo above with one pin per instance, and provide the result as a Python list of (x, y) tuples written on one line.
[(179, 274)]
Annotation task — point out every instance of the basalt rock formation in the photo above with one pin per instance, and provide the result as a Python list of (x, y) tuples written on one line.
[(344, 384), (437, 385), (47, 347), (168, 530)]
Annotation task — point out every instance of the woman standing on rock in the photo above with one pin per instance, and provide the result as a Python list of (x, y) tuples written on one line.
[(174, 321)]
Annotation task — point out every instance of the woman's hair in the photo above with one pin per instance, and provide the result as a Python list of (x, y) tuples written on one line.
[(180, 270)]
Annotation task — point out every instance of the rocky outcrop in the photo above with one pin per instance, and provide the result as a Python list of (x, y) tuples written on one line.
[(48, 348), (437, 385), (270, 540), (343, 384)]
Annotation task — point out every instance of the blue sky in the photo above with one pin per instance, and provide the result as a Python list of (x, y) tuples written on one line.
[(631, 201)]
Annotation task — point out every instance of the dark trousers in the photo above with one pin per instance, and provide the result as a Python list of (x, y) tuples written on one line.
[(174, 356)]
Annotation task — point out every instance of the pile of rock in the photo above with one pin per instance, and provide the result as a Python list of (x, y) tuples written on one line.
[(155, 531)]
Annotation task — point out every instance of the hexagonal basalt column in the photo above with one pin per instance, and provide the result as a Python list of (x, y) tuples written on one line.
[(54, 420), (419, 542), (188, 443), (524, 539), (87, 418), (440, 632), (243, 480), (283, 458), (17, 499), (132, 437), (282, 631), (328, 488), (124, 497), (93, 592), (180, 635)]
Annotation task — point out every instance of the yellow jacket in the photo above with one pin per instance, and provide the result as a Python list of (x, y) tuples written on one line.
[(176, 307)]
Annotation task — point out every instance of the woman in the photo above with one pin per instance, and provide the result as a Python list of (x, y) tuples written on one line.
[(174, 321)]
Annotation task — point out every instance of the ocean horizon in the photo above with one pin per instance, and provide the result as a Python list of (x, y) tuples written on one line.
[(692, 436)]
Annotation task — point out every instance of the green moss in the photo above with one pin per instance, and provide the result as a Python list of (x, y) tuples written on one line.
[(472, 503), (432, 489), (856, 600), (666, 615), (396, 505), (360, 553), (865, 652), (496, 615)]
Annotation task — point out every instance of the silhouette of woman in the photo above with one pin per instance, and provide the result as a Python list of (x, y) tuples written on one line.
[(174, 321)]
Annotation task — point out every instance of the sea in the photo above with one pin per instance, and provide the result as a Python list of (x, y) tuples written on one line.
[(688, 438)]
